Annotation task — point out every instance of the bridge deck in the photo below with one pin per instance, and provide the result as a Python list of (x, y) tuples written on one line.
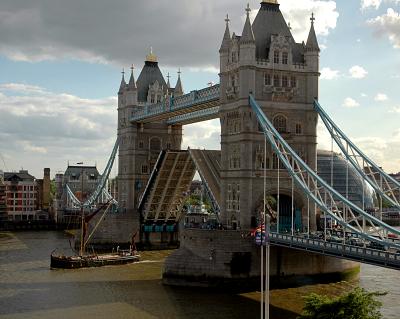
[(164, 199), (365, 255), (208, 164)]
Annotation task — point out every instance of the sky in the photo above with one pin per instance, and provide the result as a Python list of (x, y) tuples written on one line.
[(61, 62)]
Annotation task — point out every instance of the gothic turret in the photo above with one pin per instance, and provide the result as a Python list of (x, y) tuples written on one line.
[(122, 86), (247, 42), (131, 90), (132, 82), (247, 34), (312, 42), (227, 37), (225, 46), (151, 84), (311, 54), (178, 87)]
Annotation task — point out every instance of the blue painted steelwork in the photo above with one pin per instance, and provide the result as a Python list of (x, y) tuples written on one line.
[(304, 174), (100, 188), (194, 117), (104, 178), (211, 196), (178, 105), (377, 178)]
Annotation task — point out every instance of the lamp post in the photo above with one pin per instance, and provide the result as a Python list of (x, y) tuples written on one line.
[(81, 250)]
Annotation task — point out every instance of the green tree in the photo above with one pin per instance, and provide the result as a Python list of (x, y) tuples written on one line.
[(357, 304)]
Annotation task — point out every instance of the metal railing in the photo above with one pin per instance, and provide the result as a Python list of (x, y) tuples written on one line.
[(363, 254), (170, 105)]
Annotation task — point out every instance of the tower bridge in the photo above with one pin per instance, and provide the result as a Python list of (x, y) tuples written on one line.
[(267, 103)]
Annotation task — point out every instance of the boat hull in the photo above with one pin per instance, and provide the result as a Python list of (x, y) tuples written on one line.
[(64, 262)]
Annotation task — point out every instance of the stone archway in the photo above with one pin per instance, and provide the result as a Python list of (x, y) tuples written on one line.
[(285, 210)]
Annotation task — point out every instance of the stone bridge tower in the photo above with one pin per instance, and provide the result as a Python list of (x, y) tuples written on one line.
[(140, 144), (283, 76)]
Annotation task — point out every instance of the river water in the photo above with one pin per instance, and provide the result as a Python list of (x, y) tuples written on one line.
[(29, 289)]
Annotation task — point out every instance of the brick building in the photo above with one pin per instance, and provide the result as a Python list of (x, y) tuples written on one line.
[(21, 195), (3, 206)]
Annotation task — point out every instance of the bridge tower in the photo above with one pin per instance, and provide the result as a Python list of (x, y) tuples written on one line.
[(283, 76), (140, 144)]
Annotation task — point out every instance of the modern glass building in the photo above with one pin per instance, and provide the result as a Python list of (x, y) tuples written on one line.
[(346, 179)]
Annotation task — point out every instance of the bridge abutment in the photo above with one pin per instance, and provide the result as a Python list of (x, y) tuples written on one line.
[(230, 259)]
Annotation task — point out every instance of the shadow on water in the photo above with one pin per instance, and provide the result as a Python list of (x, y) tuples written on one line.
[(29, 289), (148, 297)]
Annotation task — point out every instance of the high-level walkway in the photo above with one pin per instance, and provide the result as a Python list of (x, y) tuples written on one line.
[(193, 107)]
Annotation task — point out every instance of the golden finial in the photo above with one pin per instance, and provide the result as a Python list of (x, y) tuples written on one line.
[(151, 57)]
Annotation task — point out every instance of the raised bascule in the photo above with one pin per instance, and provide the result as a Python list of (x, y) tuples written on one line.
[(267, 103)]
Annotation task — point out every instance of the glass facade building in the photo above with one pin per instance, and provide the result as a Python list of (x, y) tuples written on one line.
[(356, 189)]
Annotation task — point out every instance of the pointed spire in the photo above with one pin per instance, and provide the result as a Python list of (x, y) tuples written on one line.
[(227, 36), (168, 82), (312, 42), (178, 87), (123, 83), (247, 34), (132, 83)]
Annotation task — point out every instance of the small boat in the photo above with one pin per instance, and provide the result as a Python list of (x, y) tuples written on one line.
[(82, 260), (121, 257)]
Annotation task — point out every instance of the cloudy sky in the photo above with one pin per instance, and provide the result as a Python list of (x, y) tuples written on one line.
[(60, 64)]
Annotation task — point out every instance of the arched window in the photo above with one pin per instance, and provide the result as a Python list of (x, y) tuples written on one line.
[(280, 123), (155, 144)]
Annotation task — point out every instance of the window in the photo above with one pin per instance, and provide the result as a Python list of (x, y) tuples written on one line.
[(276, 57), (234, 57), (152, 98), (233, 82), (158, 98), (168, 146), (141, 145), (293, 82), (276, 80), (299, 129), (145, 169), (280, 123), (267, 79), (284, 58), (285, 81)]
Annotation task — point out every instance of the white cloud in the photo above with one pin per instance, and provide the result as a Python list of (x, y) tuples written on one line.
[(380, 97), (47, 129), (383, 151), (350, 103), (357, 72), (329, 74), (387, 25), (395, 109), (298, 13), (363, 95), (203, 135), (375, 4), (370, 3)]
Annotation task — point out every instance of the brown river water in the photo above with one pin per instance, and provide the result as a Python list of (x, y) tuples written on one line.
[(29, 289)]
